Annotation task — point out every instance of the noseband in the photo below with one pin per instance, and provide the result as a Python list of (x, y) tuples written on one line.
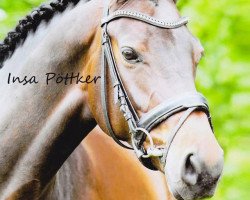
[(139, 128)]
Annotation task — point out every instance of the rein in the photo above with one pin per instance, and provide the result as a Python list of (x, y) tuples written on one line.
[(139, 128)]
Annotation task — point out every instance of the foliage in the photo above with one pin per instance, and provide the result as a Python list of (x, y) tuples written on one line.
[(11, 11), (223, 76)]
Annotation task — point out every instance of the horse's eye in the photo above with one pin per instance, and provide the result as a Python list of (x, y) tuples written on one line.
[(130, 55)]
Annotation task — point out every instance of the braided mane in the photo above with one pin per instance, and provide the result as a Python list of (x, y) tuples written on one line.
[(30, 24)]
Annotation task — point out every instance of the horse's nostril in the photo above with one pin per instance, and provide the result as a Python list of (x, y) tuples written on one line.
[(189, 166), (190, 170)]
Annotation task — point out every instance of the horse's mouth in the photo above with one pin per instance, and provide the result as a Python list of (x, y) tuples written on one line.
[(204, 188), (176, 195), (191, 195)]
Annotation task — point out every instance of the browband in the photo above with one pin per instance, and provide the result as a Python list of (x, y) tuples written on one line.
[(145, 18)]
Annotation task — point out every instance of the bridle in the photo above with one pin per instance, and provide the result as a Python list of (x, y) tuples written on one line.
[(139, 128)]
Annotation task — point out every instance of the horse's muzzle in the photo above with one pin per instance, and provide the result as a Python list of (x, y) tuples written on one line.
[(197, 179)]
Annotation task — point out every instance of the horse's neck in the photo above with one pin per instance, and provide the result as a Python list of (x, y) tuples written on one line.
[(40, 125), (74, 180)]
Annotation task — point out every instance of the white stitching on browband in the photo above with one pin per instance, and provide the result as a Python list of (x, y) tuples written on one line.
[(145, 18)]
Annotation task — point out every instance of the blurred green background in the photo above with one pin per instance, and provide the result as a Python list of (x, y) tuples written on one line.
[(223, 76)]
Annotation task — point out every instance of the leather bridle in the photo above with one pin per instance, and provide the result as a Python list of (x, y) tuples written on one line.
[(139, 128)]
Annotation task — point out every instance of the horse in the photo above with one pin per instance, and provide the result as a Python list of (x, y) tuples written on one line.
[(128, 66)]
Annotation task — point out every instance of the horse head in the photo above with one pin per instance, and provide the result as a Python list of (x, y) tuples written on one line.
[(148, 63)]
